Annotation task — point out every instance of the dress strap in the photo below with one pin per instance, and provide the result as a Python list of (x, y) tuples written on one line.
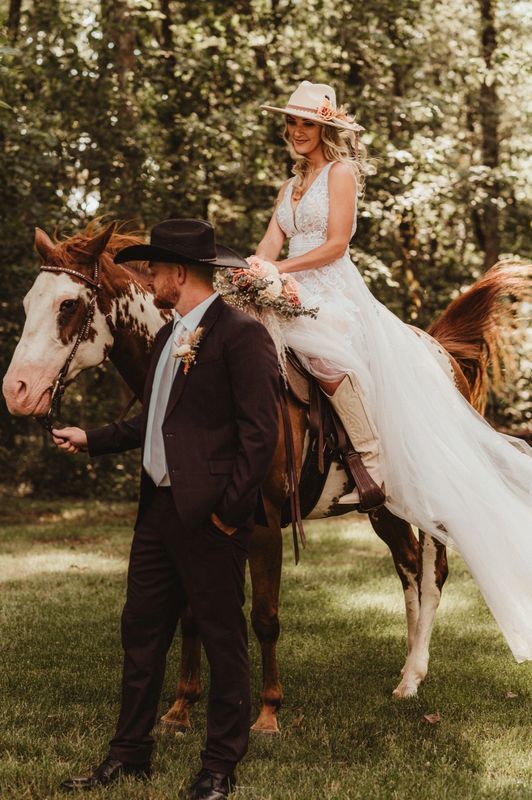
[(328, 167)]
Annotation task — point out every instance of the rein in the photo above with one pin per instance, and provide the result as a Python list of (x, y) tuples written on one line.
[(59, 385)]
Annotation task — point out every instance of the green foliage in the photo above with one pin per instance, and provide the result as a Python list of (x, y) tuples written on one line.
[(145, 110)]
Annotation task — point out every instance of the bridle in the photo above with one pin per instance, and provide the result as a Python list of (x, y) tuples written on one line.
[(59, 385)]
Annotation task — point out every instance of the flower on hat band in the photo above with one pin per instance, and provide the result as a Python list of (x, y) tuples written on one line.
[(326, 110), (341, 113)]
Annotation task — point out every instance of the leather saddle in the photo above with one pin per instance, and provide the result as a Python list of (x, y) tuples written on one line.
[(327, 444)]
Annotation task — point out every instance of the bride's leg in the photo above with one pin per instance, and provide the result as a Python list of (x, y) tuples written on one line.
[(345, 395), (329, 387)]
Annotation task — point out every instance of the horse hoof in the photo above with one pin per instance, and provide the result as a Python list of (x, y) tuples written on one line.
[(407, 688), (171, 726), (265, 731), (269, 728)]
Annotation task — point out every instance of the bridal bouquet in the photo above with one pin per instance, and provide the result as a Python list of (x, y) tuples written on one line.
[(261, 287)]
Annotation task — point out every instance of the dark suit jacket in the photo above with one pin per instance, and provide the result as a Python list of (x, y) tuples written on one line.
[(221, 423)]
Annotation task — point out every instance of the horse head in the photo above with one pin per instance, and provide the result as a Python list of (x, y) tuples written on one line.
[(80, 290)]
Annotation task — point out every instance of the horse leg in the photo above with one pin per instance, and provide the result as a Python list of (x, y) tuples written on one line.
[(265, 561), (265, 564), (432, 573), (177, 719), (404, 547)]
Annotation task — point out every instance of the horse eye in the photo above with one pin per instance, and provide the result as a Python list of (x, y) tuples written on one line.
[(68, 305)]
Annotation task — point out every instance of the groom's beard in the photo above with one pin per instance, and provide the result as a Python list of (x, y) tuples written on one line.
[(167, 295), (163, 304)]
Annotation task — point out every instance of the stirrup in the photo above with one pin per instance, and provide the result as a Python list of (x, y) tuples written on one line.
[(371, 496)]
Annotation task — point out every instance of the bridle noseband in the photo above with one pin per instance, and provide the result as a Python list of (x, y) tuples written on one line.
[(59, 385)]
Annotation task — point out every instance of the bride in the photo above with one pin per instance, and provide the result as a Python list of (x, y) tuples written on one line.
[(439, 464)]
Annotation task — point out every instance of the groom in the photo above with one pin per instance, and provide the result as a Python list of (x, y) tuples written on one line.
[(208, 431)]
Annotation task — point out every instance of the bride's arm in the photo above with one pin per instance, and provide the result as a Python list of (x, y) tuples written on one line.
[(342, 196), (273, 240)]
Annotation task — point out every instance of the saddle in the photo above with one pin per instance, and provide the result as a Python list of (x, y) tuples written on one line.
[(328, 443)]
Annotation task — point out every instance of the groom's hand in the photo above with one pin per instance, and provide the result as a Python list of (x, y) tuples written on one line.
[(215, 519), (70, 439)]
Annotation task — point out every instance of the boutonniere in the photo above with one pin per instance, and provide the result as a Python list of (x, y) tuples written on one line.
[(187, 348)]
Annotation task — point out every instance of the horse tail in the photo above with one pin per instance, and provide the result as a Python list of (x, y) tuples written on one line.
[(475, 327)]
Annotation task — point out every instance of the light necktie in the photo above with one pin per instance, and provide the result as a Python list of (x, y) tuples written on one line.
[(154, 454)]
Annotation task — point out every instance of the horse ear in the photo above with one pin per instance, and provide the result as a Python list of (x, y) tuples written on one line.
[(43, 245), (97, 245)]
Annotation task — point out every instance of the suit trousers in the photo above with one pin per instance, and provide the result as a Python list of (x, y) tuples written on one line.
[(169, 568)]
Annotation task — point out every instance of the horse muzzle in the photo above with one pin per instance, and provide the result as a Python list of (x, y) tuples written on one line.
[(25, 396)]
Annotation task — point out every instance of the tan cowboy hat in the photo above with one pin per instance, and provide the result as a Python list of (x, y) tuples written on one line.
[(317, 101)]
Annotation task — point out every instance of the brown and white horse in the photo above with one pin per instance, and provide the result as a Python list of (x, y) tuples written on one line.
[(122, 328)]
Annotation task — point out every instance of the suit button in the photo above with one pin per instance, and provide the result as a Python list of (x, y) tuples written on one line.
[(169, 435)]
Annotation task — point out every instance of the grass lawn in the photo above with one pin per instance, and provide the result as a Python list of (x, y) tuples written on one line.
[(62, 583)]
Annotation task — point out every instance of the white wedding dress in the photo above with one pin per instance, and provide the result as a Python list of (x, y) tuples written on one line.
[(445, 469)]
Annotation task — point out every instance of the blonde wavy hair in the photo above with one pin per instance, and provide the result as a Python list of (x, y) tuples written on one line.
[(338, 145)]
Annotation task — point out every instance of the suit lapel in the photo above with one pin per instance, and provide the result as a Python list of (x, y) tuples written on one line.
[(207, 321)]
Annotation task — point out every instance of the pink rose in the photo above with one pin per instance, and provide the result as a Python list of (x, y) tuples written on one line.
[(291, 291), (290, 285), (325, 110)]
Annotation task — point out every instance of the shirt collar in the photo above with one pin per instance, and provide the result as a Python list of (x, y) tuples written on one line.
[(194, 317)]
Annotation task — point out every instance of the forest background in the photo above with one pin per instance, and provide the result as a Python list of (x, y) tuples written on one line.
[(146, 109)]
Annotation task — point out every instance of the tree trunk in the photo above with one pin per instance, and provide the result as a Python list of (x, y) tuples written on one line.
[(166, 37), (405, 268), (124, 194), (13, 20), (166, 25), (488, 220)]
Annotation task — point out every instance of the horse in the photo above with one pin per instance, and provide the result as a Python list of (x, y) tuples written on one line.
[(82, 308)]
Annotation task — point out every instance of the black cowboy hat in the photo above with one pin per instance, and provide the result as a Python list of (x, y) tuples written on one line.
[(183, 241)]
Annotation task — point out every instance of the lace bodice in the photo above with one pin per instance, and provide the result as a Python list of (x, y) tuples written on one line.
[(306, 229)]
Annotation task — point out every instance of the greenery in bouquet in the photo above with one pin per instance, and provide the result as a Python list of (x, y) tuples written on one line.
[(260, 287)]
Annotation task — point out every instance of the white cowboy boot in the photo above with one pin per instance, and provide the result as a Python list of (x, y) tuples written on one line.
[(348, 403)]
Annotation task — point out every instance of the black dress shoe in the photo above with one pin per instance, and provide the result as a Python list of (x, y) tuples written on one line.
[(108, 772), (209, 785)]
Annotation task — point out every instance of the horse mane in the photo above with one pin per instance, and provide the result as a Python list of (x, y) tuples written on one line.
[(69, 250)]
